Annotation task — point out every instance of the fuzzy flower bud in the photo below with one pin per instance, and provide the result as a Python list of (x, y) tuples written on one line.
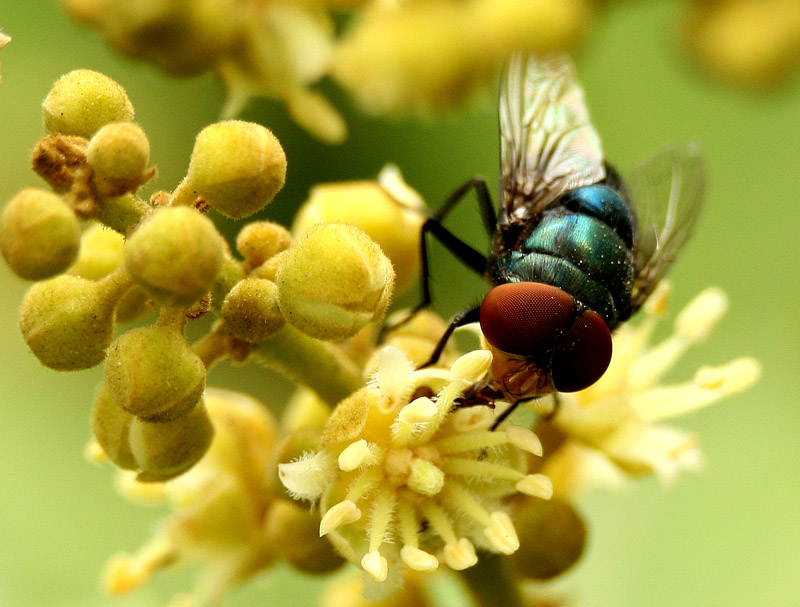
[(39, 234), (153, 373), (175, 255), (251, 310), (236, 167), (111, 426), (82, 101), (380, 208), (553, 536), (119, 153), (100, 253), (259, 241), (164, 450), (68, 322), (334, 281)]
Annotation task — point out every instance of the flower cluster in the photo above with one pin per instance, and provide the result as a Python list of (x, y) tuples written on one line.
[(374, 461), (404, 56), (391, 56), (93, 242)]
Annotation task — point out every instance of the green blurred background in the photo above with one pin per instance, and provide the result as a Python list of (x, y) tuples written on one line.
[(727, 536)]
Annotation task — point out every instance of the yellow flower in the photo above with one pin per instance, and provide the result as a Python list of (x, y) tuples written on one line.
[(404, 478), (220, 506), (612, 429)]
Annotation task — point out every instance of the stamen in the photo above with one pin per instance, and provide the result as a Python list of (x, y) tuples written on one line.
[(472, 366), (444, 403), (410, 420), (700, 315), (418, 560), (710, 384), (364, 483), (439, 522), (458, 443), (407, 524), (343, 513), (381, 515), (125, 572), (376, 565), (354, 455), (536, 485), (460, 555), (524, 439), (418, 411), (463, 466), (501, 533), (461, 499)]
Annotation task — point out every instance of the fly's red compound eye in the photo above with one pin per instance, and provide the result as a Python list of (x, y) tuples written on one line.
[(526, 318), (583, 354)]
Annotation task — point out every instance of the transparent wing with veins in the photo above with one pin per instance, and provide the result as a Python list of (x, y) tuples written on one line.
[(666, 191), (547, 144)]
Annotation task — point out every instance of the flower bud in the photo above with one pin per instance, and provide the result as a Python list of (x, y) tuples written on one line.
[(82, 101), (153, 373), (175, 255), (334, 281), (552, 537), (68, 322), (262, 240), (118, 154), (100, 253), (110, 426), (251, 310), (294, 531), (39, 234), (380, 208), (164, 450), (237, 167)]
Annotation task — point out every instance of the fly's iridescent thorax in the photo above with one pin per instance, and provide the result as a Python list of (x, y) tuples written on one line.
[(582, 244)]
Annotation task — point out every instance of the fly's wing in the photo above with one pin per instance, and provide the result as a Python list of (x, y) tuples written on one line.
[(547, 144), (666, 190)]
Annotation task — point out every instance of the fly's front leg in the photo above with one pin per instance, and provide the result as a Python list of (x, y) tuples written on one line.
[(468, 255)]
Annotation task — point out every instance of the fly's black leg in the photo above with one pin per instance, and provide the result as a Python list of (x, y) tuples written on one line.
[(472, 258), (459, 320)]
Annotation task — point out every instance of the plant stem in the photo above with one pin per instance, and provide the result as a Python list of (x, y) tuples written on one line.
[(490, 584), (309, 362)]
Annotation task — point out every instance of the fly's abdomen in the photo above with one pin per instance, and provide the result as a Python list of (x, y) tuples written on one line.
[(581, 245)]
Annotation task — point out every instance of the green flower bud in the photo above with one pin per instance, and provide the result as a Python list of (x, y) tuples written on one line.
[(82, 101), (133, 305), (259, 241), (39, 234), (118, 154), (552, 537), (236, 167), (382, 208), (175, 255), (334, 281), (68, 322), (100, 253), (251, 310), (153, 373), (164, 450), (294, 532), (111, 425)]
